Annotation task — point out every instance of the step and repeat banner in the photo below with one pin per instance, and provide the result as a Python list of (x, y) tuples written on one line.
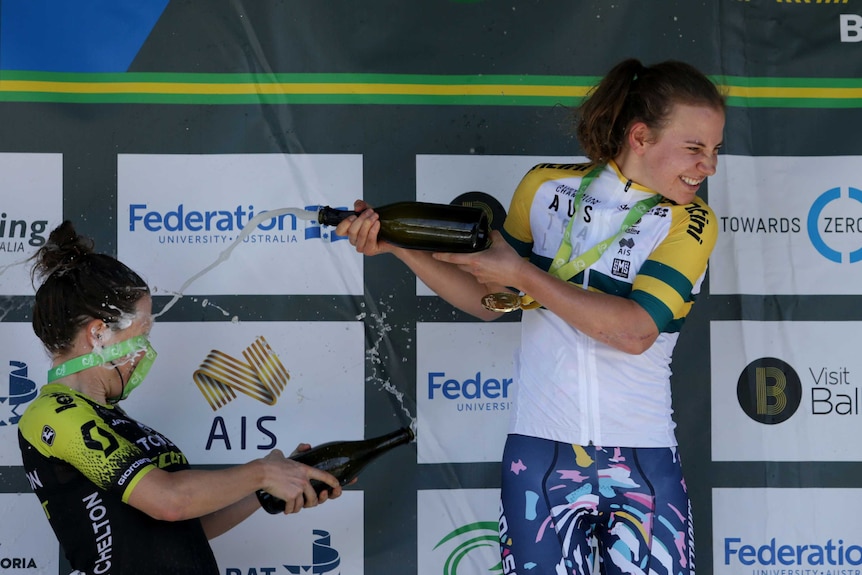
[(193, 139)]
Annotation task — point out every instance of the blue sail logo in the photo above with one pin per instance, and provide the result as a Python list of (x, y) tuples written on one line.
[(324, 558), (21, 390)]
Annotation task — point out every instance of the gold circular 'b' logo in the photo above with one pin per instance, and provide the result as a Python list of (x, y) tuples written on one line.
[(769, 390)]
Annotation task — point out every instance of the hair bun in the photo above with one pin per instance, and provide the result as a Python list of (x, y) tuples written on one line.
[(63, 251)]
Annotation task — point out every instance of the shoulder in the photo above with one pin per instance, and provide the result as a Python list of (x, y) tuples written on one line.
[(56, 407), (697, 220), (541, 174), (558, 171)]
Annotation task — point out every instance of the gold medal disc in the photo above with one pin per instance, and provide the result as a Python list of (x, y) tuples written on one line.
[(502, 302)]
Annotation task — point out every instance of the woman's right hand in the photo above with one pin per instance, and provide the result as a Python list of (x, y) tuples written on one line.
[(292, 482), (362, 230)]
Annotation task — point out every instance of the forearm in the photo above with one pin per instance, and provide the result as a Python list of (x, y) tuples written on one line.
[(461, 289), (195, 493), (223, 520), (616, 321)]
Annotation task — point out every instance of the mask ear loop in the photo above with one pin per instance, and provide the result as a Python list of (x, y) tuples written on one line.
[(139, 372), (120, 374)]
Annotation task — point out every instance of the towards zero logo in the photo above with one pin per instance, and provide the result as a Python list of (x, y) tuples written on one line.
[(261, 376)]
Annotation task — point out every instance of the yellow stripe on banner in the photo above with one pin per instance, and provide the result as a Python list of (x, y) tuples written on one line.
[(381, 89), (804, 93), (227, 89), (288, 88)]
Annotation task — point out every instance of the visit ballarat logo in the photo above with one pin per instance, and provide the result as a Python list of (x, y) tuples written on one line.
[(769, 390)]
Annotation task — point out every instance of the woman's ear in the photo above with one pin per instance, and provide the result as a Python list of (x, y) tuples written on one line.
[(639, 138), (98, 333)]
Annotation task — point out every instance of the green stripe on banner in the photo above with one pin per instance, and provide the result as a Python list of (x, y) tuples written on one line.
[(482, 90)]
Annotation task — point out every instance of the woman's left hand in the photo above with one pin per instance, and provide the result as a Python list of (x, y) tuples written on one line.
[(500, 264)]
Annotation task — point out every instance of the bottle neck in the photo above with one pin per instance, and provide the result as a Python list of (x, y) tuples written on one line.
[(397, 437), (332, 217)]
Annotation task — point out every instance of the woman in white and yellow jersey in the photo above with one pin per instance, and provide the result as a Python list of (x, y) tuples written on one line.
[(605, 258)]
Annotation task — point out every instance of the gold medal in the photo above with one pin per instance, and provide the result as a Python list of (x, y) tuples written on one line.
[(502, 302)]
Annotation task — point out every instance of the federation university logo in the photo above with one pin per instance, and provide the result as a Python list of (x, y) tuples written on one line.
[(19, 390), (183, 224), (468, 539), (261, 376), (769, 390)]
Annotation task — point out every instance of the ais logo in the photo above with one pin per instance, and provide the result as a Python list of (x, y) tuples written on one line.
[(19, 390), (261, 376), (769, 390)]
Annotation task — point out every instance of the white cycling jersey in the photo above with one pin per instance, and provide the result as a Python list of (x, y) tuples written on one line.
[(572, 388)]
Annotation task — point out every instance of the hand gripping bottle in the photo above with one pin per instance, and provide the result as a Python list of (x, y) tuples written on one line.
[(343, 459)]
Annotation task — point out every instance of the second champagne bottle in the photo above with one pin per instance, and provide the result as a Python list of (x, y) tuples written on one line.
[(343, 459)]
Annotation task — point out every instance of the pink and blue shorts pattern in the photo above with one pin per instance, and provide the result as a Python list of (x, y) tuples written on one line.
[(567, 509)]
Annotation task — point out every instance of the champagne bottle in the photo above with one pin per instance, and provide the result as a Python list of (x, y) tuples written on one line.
[(343, 459), (425, 226)]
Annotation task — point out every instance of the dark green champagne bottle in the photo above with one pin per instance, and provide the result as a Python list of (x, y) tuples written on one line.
[(343, 459), (425, 226)]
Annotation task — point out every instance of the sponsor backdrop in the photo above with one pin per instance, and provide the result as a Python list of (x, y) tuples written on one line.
[(195, 140)]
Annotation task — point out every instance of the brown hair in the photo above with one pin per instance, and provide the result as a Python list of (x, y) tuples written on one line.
[(80, 285), (632, 92)]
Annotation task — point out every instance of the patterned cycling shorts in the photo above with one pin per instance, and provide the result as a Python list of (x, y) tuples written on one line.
[(561, 504)]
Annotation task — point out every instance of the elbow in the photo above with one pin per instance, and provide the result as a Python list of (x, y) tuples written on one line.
[(489, 316), (171, 515), (634, 349), (170, 509), (634, 345)]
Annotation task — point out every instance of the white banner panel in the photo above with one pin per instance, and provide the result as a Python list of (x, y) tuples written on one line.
[(464, 390), (324, 399), (441, 179), (785, 391), (31, 206), (24, 365), (327, 539), (27, 542), (787, 225), (775, 532), (190, 209), (458, 531)]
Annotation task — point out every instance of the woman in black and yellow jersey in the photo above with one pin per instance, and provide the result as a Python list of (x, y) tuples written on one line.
[(120, 496)]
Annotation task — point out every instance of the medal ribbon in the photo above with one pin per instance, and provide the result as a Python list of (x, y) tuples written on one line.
[(126, 348), (105, 355), (565, 269)]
